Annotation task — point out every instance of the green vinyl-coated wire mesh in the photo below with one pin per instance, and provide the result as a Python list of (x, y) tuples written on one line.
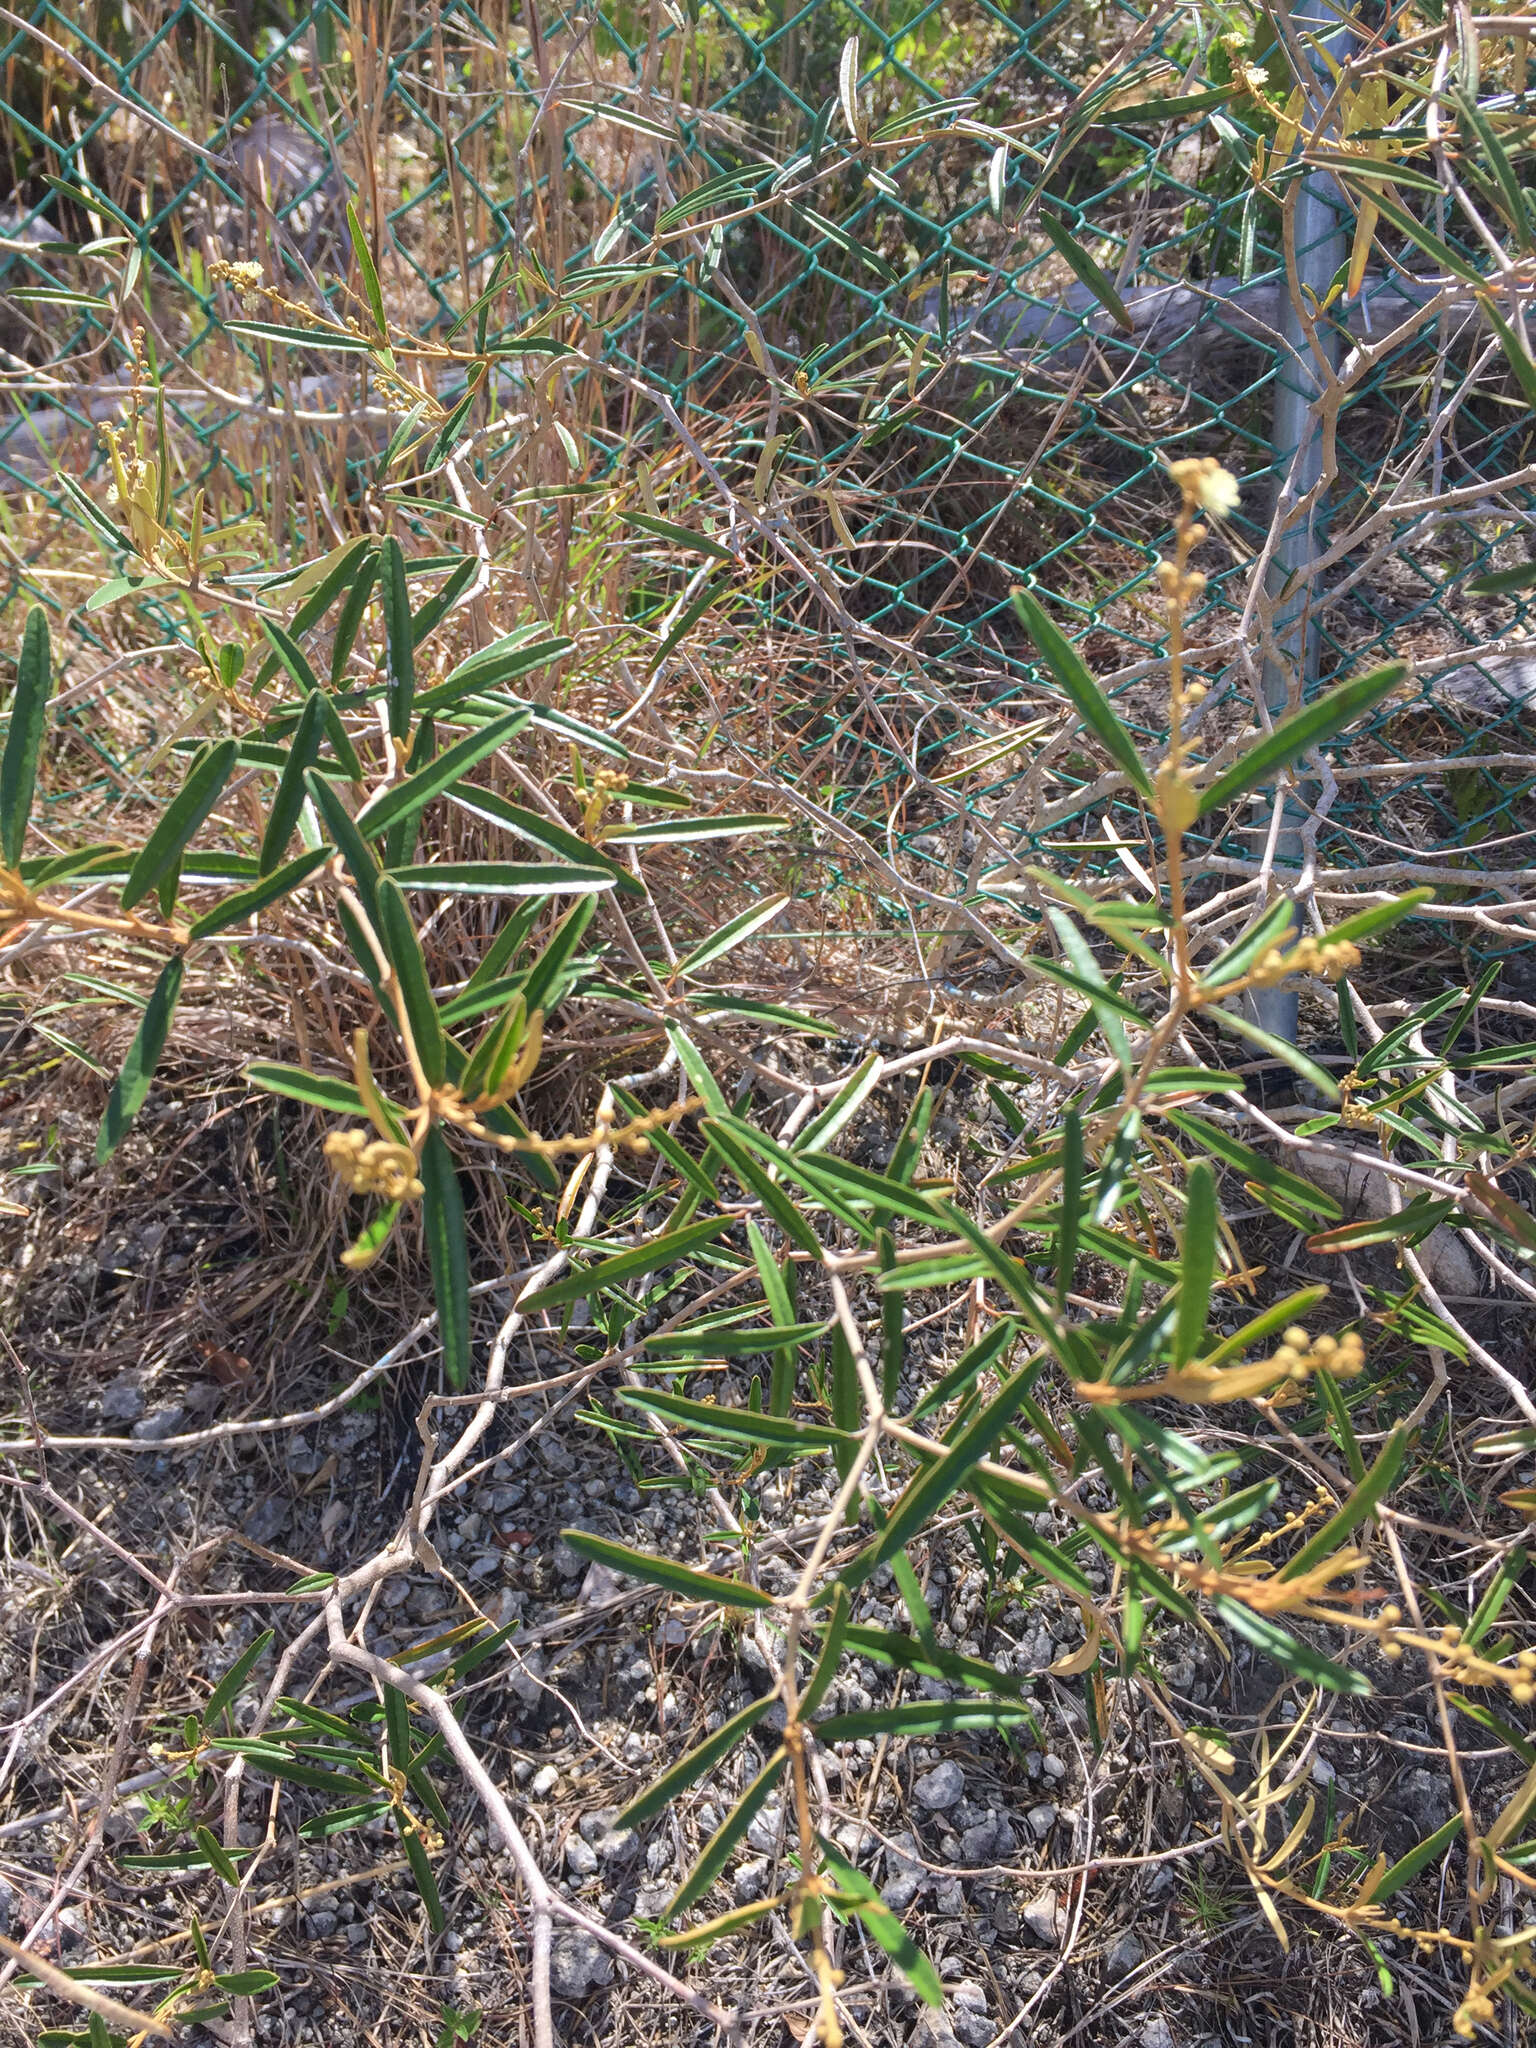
[(864, 209)]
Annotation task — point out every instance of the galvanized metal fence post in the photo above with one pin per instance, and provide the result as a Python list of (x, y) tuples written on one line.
[(1321, 236)]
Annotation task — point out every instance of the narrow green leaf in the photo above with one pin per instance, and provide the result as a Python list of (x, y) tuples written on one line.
[(301, 337), (322, 1091), (552, 972), (132, 1085), (1500, 1729), (249, 902), (546, 833), (1365, 1500), (893, 1325), (1197, 1263), (489, 878), (421, 1873), (1515, 353), (927, 1493), (1288, 1651), (224, 1693), (755, 1179), (291, 656), (927, 1660), (732, 1921), (397, 1727), (731, 934), (397, 934), (514, 654), (1331, 1398), (884, 1926), (1178, 108), (717, 1850), (288, 801), (677, 536), (778, 1291), (1498, 582), (1380, 917), (404, 799), (844, 1106), (366, 266), (653, 1257), (657, 1797), (1088, 700), (834, 1633), (1253, 1166), (1273, 928), (683, 624), (1072, 1171), (979, 1358), (712, 1340), (1500, 1586), (246, 1983), (350, 618), (442, 1213), (213, 1850), (1320, 720), (24, 736), (924, 1717), (277, 1762), (162, 852), (1087, 270), (401, 638), (663, 1572), (1278, 1048), (1407, 1868)]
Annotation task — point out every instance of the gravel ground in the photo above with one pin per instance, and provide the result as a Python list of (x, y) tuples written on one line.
[(1066, 1891)]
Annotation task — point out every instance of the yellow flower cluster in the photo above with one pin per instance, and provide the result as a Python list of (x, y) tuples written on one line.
[(1463, 1665), (243, 278), (373, 1166), (1205, 483), (1330, 958), (1299, 1355)]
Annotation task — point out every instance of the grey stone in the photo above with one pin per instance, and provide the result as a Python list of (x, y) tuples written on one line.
[(1041, 1819), (990, 1841), (1053, 1768), (543, 1781), (973, 2029), (1124, 1957), (122, 1399), (942, 1788), (949, 1899), (267, 1520), (763, 1834), (750, 1881), (601, 1583), (578, 1963), (1157, 2034), (161, 1423), (899, 1891), (1424, 1798), (1046, 1919), (319, 1925), (427, 1601), (580, 1857)]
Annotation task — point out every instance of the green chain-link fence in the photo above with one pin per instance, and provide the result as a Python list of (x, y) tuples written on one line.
[(866, 209)]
